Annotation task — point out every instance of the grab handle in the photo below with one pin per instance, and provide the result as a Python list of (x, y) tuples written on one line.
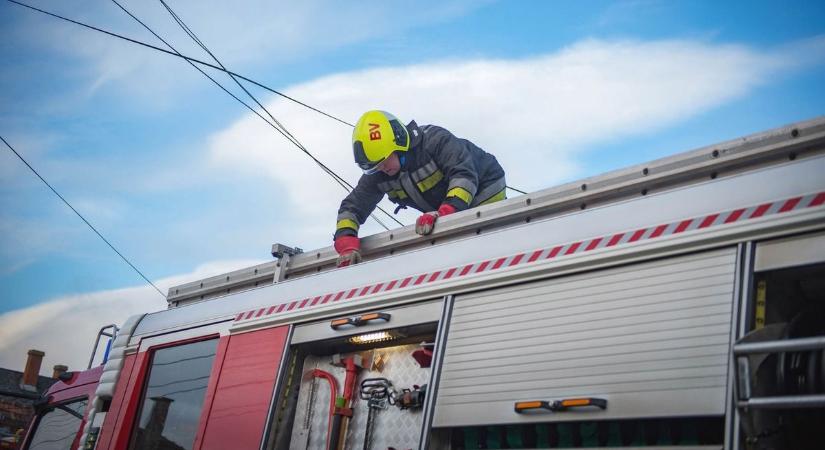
[(357, 321), (559, 405)]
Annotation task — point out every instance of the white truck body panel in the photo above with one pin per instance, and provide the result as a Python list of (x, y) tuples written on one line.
[(749, 189)]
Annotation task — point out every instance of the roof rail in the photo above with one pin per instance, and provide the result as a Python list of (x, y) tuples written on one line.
[(793, 141)]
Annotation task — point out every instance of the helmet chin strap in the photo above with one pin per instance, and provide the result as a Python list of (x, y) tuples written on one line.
[(401, 159)]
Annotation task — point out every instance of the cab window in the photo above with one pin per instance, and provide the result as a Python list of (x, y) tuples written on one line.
[(58, 425), (173, 396)]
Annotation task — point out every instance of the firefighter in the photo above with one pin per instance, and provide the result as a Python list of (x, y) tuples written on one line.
[(424, 167)]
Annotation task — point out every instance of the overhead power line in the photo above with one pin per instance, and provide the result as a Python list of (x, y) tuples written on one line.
[(275, 124), (144, 44), (197, 40), (348, 187), (195, 60), (82, 218)]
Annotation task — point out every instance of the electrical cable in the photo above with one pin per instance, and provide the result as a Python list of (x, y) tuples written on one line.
[(81, 217), (295, 140), (280, 128), (195, 60), (197, 40), (144, 44)]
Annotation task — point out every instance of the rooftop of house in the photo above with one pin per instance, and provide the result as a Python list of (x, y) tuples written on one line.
[(10, 382)]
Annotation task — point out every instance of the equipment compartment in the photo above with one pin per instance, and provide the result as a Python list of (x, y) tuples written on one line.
[(781, 360), (393, 427), (393, 373), (647, 340)]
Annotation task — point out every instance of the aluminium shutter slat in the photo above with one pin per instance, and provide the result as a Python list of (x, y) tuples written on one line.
[(565, 383), (624, 278), (601, 390), (580, 373), (548, 364), (643, 352), (664, 292), (652, 338), (573, 319), (649, 327), (675, 339)]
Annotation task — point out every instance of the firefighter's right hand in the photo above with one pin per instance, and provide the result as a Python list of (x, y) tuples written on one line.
[(348, 248)]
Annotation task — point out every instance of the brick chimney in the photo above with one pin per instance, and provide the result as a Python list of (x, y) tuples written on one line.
[(32, 371), (59, 369)]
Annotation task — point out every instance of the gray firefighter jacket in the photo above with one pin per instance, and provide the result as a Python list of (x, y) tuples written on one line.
[(438, 168)]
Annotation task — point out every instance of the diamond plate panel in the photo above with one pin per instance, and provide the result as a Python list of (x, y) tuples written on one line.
[(393, 427)]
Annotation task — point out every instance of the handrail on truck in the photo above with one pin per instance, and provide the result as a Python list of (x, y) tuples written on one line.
[(111, 335)]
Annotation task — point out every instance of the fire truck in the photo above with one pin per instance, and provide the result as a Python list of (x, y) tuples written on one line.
[(674, 304)]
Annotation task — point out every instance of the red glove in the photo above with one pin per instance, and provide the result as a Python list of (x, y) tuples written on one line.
[(446, 209), (348, 248), (426, 222)]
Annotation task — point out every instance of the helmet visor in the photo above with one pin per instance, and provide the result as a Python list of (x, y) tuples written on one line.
[(370, 169)]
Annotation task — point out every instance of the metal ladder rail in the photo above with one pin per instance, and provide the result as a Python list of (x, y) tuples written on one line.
[(743, 374)]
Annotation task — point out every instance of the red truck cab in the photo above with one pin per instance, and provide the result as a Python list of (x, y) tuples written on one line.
[(60, 415)]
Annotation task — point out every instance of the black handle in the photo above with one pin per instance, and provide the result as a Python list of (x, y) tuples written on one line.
[(357, 321)]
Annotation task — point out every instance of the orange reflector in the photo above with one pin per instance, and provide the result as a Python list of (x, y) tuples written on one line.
[(575, 402), (371, 316), (337, 322), (528, 405)]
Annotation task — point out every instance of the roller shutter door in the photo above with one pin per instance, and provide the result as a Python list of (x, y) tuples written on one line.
[(651, 338)]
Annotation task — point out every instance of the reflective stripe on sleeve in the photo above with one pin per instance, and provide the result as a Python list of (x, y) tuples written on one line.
[(464, 183), (496, 198), (347, 223), (461, 193), (490, 191)]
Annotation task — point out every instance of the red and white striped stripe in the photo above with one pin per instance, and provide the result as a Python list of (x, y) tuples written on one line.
[(557, 251)]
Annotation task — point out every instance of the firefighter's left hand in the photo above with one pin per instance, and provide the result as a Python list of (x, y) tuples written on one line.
[(348, 248), (426, 222)]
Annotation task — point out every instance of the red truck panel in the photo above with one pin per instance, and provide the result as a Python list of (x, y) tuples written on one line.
[(114, 434), (247, 366), (82, 384)]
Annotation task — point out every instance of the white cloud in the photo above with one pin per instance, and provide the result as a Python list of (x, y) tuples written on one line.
[(65, 327), (280, 34), (536, 115)]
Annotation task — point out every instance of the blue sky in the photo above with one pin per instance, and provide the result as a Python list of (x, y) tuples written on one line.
[(187, 183)]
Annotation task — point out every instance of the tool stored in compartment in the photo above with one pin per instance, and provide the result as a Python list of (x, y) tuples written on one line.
[(304, 433), (424, 355), (410, 398), (343, 411), (376, 391)]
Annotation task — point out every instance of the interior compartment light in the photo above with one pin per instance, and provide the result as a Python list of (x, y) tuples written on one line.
[(379, 336)]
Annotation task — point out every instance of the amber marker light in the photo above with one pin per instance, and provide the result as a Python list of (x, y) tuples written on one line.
[(338, 323), (559, 405), (364, 318), (527, 406), (576, 402)]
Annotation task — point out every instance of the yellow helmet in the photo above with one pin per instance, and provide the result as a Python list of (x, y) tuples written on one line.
[(376, 136)]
